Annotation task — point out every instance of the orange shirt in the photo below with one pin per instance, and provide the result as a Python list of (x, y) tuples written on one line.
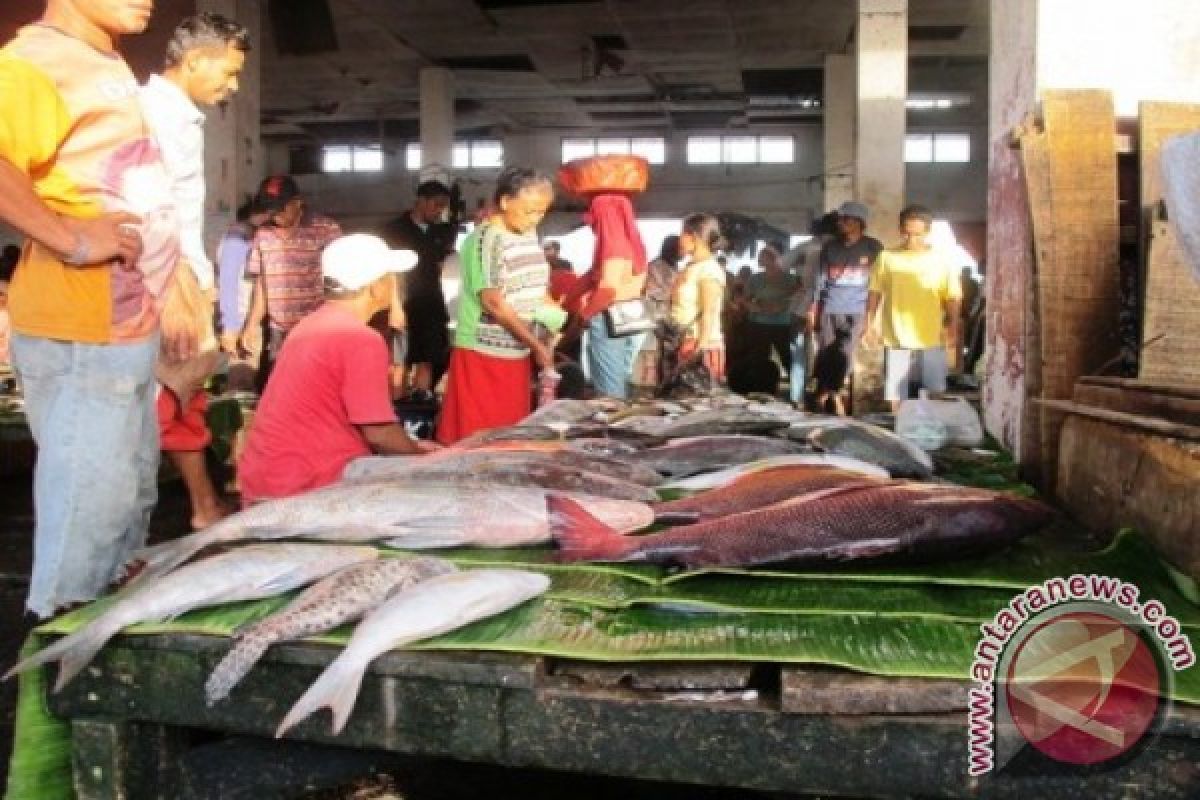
[(70, 120)]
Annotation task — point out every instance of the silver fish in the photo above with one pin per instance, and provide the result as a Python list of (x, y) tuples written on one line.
[(724, 477), (688, 456), (248, 573), (723, 420), (561, 414), (416, 517), (428, 609), (855, 439), (344, 596)]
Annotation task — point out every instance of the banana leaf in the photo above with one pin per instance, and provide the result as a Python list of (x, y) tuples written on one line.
[(40, 766)]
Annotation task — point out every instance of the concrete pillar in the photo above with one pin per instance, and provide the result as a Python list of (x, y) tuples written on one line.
[(841, 116), (234, 162), (437, 123), (881, 78), (882, 81)]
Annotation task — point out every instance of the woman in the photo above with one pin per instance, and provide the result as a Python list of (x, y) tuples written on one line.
[(769, 297), (504, 282), (697, 296)]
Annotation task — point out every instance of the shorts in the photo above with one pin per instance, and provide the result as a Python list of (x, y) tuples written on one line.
[(182, 430), (927, 368)]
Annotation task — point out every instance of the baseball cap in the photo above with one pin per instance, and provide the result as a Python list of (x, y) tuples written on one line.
[(852, 209), (359, 259), (275, 192)]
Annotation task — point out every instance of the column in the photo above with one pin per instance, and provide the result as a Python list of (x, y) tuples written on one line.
[(881, 78), (437, 123), (233, 154), (841, 109)]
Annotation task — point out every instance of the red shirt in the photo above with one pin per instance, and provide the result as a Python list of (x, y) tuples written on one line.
[(562, 283), (332, 374)]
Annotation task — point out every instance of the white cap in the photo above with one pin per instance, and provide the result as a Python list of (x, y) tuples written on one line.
[(360, 259)]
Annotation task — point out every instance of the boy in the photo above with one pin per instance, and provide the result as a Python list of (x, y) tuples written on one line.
[(915, 296)]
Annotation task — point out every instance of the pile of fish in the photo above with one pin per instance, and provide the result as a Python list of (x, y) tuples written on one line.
[(730, 481)]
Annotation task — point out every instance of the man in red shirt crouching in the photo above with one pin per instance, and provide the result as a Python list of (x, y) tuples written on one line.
[(329, 399)]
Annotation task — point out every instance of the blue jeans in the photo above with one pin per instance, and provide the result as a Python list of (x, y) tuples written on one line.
[(799, 373), (91, 409), (609, 360)]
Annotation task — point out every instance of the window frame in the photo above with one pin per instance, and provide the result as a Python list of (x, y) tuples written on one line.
[(728, 154)]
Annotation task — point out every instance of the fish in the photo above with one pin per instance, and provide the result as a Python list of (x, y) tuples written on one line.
[(900, 457), (405, 516), (561, 414), (513, 457), (723, 420), (515, 433), (599, 446), (839, 524), (724, 477), (430, 608), (344, 596), (688, 456), (758, 489), (247, 573)]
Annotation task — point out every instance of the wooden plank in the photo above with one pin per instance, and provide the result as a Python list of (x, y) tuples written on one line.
[(1111, 477), (1134, 401), (664, 677), (1139, 385), (1170, 323), (817, 691), (1071, 177), (1154, 425)]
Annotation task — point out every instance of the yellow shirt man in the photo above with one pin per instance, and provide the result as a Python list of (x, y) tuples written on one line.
[(915, 286)]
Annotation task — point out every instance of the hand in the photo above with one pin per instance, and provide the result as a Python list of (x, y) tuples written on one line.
[(109, 237), (424, 447), (180, 341), (714, 360), (248, 343)]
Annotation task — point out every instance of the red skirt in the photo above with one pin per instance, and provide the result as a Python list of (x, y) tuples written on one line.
[(182, 429), (483, 392)]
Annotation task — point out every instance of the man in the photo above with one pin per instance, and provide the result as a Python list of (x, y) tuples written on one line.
[(233, 290), (803, 261), (285, 264), (329, 402), (843, 276), (204, 58), (916, 294), (80, 178), (422, 230)]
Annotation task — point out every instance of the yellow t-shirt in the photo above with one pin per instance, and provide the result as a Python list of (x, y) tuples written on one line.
[(915, 285), (70, 120), (685, 300)]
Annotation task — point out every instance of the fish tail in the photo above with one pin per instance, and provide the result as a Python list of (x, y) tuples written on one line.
[(162, 558), (336, 689), (582, 537), (73, 652), (234, 666)]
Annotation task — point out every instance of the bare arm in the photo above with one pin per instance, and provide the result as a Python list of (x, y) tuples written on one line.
[(390, 439), (494, 304), (711, 296), (94, 241), (254, 316), (871, 332), (952, 331)]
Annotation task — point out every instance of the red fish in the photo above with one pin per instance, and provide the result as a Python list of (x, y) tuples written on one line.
[(844, 523)]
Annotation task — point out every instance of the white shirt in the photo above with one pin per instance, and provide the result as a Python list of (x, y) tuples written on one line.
[(178, 127)]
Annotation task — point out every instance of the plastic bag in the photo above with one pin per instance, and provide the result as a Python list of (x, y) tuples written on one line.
[(934, 424)]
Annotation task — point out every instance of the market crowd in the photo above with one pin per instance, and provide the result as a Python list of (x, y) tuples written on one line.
[(115, 315)]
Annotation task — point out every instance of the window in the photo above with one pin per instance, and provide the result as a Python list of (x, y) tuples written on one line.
[(940, 148), (474, 154), (651, 148), (352, 158), (741, 149)]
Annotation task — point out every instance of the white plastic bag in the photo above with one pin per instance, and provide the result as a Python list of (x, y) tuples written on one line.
[(934, 424)]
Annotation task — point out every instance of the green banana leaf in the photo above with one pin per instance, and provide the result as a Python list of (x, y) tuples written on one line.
[(40, 767)]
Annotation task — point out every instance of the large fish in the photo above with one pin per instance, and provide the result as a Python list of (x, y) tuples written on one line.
[(509, 458), (409, 517), (847, 437), (430, 608), (683, 457), (836, 524), (757, 490), (561, 414), (248, 573), (515, 433), (724, 477), (342, 597), (723, 420)]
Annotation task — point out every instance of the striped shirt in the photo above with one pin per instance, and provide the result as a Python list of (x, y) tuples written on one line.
[(290, 262), (494, 258)]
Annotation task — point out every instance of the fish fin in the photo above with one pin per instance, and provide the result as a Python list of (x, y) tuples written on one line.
[(73, 653), (676, 517), (582, 537), (233, 667), (336, 689)]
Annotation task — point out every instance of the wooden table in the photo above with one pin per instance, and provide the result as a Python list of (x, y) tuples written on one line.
[(140, 704)]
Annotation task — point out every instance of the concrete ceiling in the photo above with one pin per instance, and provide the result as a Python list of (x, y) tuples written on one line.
[(567, 64)]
